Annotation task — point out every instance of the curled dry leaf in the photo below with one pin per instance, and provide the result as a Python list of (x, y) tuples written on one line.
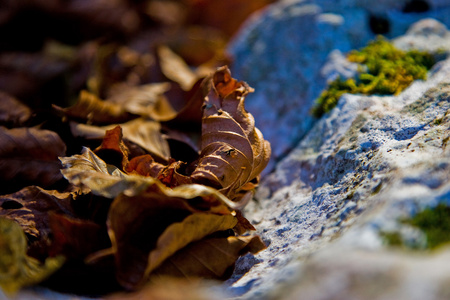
[(30, 207), (17, 269), (30, 156), (212, 258), (234, 151)]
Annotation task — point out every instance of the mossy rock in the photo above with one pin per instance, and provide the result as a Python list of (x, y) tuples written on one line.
[(385, 70)]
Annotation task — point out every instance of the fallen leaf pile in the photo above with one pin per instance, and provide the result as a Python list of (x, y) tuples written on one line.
[(122, 165)]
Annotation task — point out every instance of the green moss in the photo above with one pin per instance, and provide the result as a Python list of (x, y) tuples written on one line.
[(435, 223), (392, 238), (388, 71)]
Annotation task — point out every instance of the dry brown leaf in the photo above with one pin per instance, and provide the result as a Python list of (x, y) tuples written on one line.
[(212, 258), (13, 112), (30, 156), (143, 132), (91, 173), (150, 227), (30, 207), (93, 110), (75, 238), (194, 227), (234, 151)]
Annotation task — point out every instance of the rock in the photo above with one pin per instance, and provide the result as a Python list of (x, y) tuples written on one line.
[(356, 274), (361, 169), (280, 54), (282, 51)]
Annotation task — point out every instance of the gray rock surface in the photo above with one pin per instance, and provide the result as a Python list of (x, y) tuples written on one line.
[(361, 168), (281, 52)]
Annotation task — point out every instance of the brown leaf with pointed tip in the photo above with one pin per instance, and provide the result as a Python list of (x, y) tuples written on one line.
[(212, 258), (12, 111), (30, 207), (29, 156), (93, 110), (234, 151), (113, 150)]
